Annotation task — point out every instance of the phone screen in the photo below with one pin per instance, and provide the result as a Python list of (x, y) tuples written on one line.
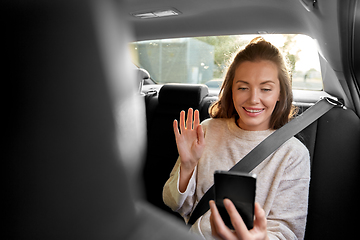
[(240, 189)]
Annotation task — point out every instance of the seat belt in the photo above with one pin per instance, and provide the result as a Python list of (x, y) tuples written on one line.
[(269, 145)]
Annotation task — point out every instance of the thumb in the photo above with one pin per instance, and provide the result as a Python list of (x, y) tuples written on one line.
[(260, 219)]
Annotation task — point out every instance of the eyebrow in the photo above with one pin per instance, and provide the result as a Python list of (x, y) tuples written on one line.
[(262, 83)]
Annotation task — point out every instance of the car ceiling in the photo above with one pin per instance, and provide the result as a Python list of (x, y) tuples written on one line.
[(225, 17)]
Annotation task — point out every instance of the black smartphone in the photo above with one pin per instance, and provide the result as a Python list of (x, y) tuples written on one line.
[(240, 189)]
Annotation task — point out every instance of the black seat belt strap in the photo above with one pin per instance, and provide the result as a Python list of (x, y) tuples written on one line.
[(269, 145)]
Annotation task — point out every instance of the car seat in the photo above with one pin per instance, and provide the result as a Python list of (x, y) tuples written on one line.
[(335, 177), (66, 176), (162, 152)]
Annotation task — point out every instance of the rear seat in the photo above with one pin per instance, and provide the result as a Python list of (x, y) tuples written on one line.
[(335, 177), (333, 142), (162, 152)]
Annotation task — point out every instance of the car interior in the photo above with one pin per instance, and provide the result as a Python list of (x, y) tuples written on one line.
[(332, 146), (89, 137)]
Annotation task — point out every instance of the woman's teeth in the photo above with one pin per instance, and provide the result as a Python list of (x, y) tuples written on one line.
[(253, 110)]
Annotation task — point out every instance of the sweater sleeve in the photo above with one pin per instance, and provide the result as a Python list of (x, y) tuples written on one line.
[(180, 202), (287, 218)]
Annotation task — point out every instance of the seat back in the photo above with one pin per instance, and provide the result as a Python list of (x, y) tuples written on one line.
[(65, 178), (162, 151), (67, 156), (335, 177)]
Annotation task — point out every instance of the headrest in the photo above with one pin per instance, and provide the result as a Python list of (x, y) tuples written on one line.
[(182, 94)]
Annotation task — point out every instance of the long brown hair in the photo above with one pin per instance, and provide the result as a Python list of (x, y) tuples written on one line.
[(258, 49)]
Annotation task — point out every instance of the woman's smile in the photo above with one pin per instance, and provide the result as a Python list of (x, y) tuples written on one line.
[(253, 112)]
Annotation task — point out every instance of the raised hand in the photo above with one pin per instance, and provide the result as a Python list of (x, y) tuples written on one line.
[(190, 143)]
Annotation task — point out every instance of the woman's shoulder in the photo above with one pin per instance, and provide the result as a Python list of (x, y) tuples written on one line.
[(296, 145), (297, 160), (296, 151), (214, 122), (214, 125)]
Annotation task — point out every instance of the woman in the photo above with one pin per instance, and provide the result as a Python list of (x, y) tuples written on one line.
[(255, 100)]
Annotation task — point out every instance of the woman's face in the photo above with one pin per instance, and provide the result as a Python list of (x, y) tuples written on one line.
[(255, 91)]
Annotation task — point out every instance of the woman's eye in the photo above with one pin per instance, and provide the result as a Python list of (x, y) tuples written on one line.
[(266, 89), (242, 89)]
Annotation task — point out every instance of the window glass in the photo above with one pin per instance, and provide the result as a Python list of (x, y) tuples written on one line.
[(205, 59)]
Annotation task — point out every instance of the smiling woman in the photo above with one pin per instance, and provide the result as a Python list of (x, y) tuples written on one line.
[(255, 99)]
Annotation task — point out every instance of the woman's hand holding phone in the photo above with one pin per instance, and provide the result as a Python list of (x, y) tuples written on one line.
[(221, 231), (190, 144)]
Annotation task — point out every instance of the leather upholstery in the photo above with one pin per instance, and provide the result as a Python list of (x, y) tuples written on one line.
[(162, 151), (335, 177), (184, 95)]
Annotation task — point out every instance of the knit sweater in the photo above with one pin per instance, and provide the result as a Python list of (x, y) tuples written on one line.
[(282, 178)]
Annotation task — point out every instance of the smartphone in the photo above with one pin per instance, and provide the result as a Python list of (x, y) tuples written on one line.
[(240, 189)]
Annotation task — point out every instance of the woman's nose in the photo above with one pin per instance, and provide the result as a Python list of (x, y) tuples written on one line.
[(254, 97)]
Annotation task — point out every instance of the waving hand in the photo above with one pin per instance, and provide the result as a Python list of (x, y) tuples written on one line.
[(190, 143)]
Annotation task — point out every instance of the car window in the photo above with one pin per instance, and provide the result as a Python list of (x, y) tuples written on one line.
[(205, 59)]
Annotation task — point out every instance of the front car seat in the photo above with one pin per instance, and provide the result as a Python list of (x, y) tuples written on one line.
[(65, 162)]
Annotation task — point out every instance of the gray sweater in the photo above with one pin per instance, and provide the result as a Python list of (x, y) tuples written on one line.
[(282, 179)]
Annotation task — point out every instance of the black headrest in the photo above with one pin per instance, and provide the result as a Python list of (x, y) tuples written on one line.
[(182, 94)]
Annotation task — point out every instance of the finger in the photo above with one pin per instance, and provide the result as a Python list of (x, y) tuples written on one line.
[(196, 119), (200, 135), (212, 224), (260, 219), (238, 223), (218, 227), (176, 129), (182, 121), (189, 119)]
